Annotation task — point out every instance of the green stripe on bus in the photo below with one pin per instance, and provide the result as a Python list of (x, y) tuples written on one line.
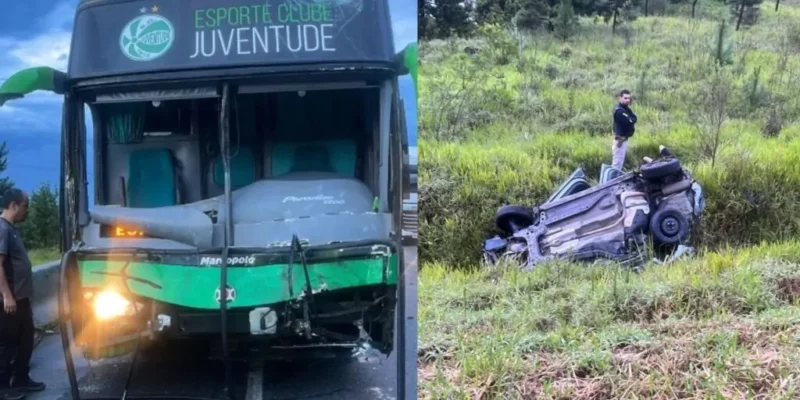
[(193, 286)]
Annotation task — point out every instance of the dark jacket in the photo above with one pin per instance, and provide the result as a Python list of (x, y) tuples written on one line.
[(624, 121)]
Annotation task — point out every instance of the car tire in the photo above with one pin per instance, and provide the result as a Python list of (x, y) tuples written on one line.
[(511, 219), (659, 169), (669, 226)]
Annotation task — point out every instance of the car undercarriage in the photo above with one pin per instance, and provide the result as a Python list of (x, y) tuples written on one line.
[(619, 219)]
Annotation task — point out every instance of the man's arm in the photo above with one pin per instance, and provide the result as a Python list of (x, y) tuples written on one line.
[(9, 303), (624, 121), (5, 290)]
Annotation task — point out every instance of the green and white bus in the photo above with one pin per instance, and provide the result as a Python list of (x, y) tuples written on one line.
[(250, 165)]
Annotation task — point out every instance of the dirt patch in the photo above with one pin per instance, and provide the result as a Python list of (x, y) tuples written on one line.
[(671, 367), (789, 289), (625, 356), (427, 372), (643, 310), (474, 302), (430, 353), (433, 372), (547, 368), (554, 379), (582, 388)]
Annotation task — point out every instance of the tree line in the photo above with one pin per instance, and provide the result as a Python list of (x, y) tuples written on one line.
[(41, 229), (439, 19)]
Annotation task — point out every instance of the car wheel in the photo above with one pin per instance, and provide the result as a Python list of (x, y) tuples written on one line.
[(511, 219), (660, 169), (669, 226)]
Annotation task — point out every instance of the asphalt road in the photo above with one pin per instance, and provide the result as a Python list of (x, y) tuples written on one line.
[(165, 374)]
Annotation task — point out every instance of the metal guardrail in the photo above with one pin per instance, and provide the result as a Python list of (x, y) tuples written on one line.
[(410, 222), (45, 289), (410, 215)]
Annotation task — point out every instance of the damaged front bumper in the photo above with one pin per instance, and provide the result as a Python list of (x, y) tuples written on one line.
[(333, 297)]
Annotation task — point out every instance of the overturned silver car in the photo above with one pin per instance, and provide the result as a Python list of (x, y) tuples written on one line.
[(613, 220)]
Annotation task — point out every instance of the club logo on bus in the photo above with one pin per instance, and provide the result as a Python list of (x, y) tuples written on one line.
[(147, 37), (230, 294)]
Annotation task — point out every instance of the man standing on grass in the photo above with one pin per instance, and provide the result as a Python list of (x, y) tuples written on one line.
[(16, 288), (624, 126)]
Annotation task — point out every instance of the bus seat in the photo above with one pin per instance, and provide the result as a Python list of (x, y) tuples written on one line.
[(311, 158), (243, 168), (321, 155), (151, 178)]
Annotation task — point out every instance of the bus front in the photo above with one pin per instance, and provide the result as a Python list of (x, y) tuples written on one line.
[(248, 174)]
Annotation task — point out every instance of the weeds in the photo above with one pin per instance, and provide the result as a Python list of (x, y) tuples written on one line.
[(723, 324), (509, 124)]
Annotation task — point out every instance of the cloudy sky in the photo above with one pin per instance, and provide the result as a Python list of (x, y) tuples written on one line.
[(37, 33)]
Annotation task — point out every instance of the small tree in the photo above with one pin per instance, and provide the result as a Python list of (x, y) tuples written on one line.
[(40, 230), (498, 12), (772, 122), (533, 15), (5, 182), (452, 17), (615, 11), (717, 98), (746, 12), (723, 52), (566, 21), (754, 91), (426, 23)]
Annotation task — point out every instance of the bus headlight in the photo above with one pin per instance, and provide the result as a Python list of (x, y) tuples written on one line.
[(109, 304)]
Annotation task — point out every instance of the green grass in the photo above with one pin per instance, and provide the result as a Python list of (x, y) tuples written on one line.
[(41, 256), (723, 324), (508, 125)]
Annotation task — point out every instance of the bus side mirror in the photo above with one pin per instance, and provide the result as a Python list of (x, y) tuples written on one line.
[(400, 64), (406, 62), (29, 80)]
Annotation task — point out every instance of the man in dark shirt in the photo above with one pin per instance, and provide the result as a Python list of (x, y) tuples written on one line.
[(624, 126), (16, 288)]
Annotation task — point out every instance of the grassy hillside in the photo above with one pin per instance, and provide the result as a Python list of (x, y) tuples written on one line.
[(41, 256), (508, 124), (721, 326)]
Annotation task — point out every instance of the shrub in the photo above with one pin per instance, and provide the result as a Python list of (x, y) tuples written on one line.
[(751, 192), (508, 125)]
